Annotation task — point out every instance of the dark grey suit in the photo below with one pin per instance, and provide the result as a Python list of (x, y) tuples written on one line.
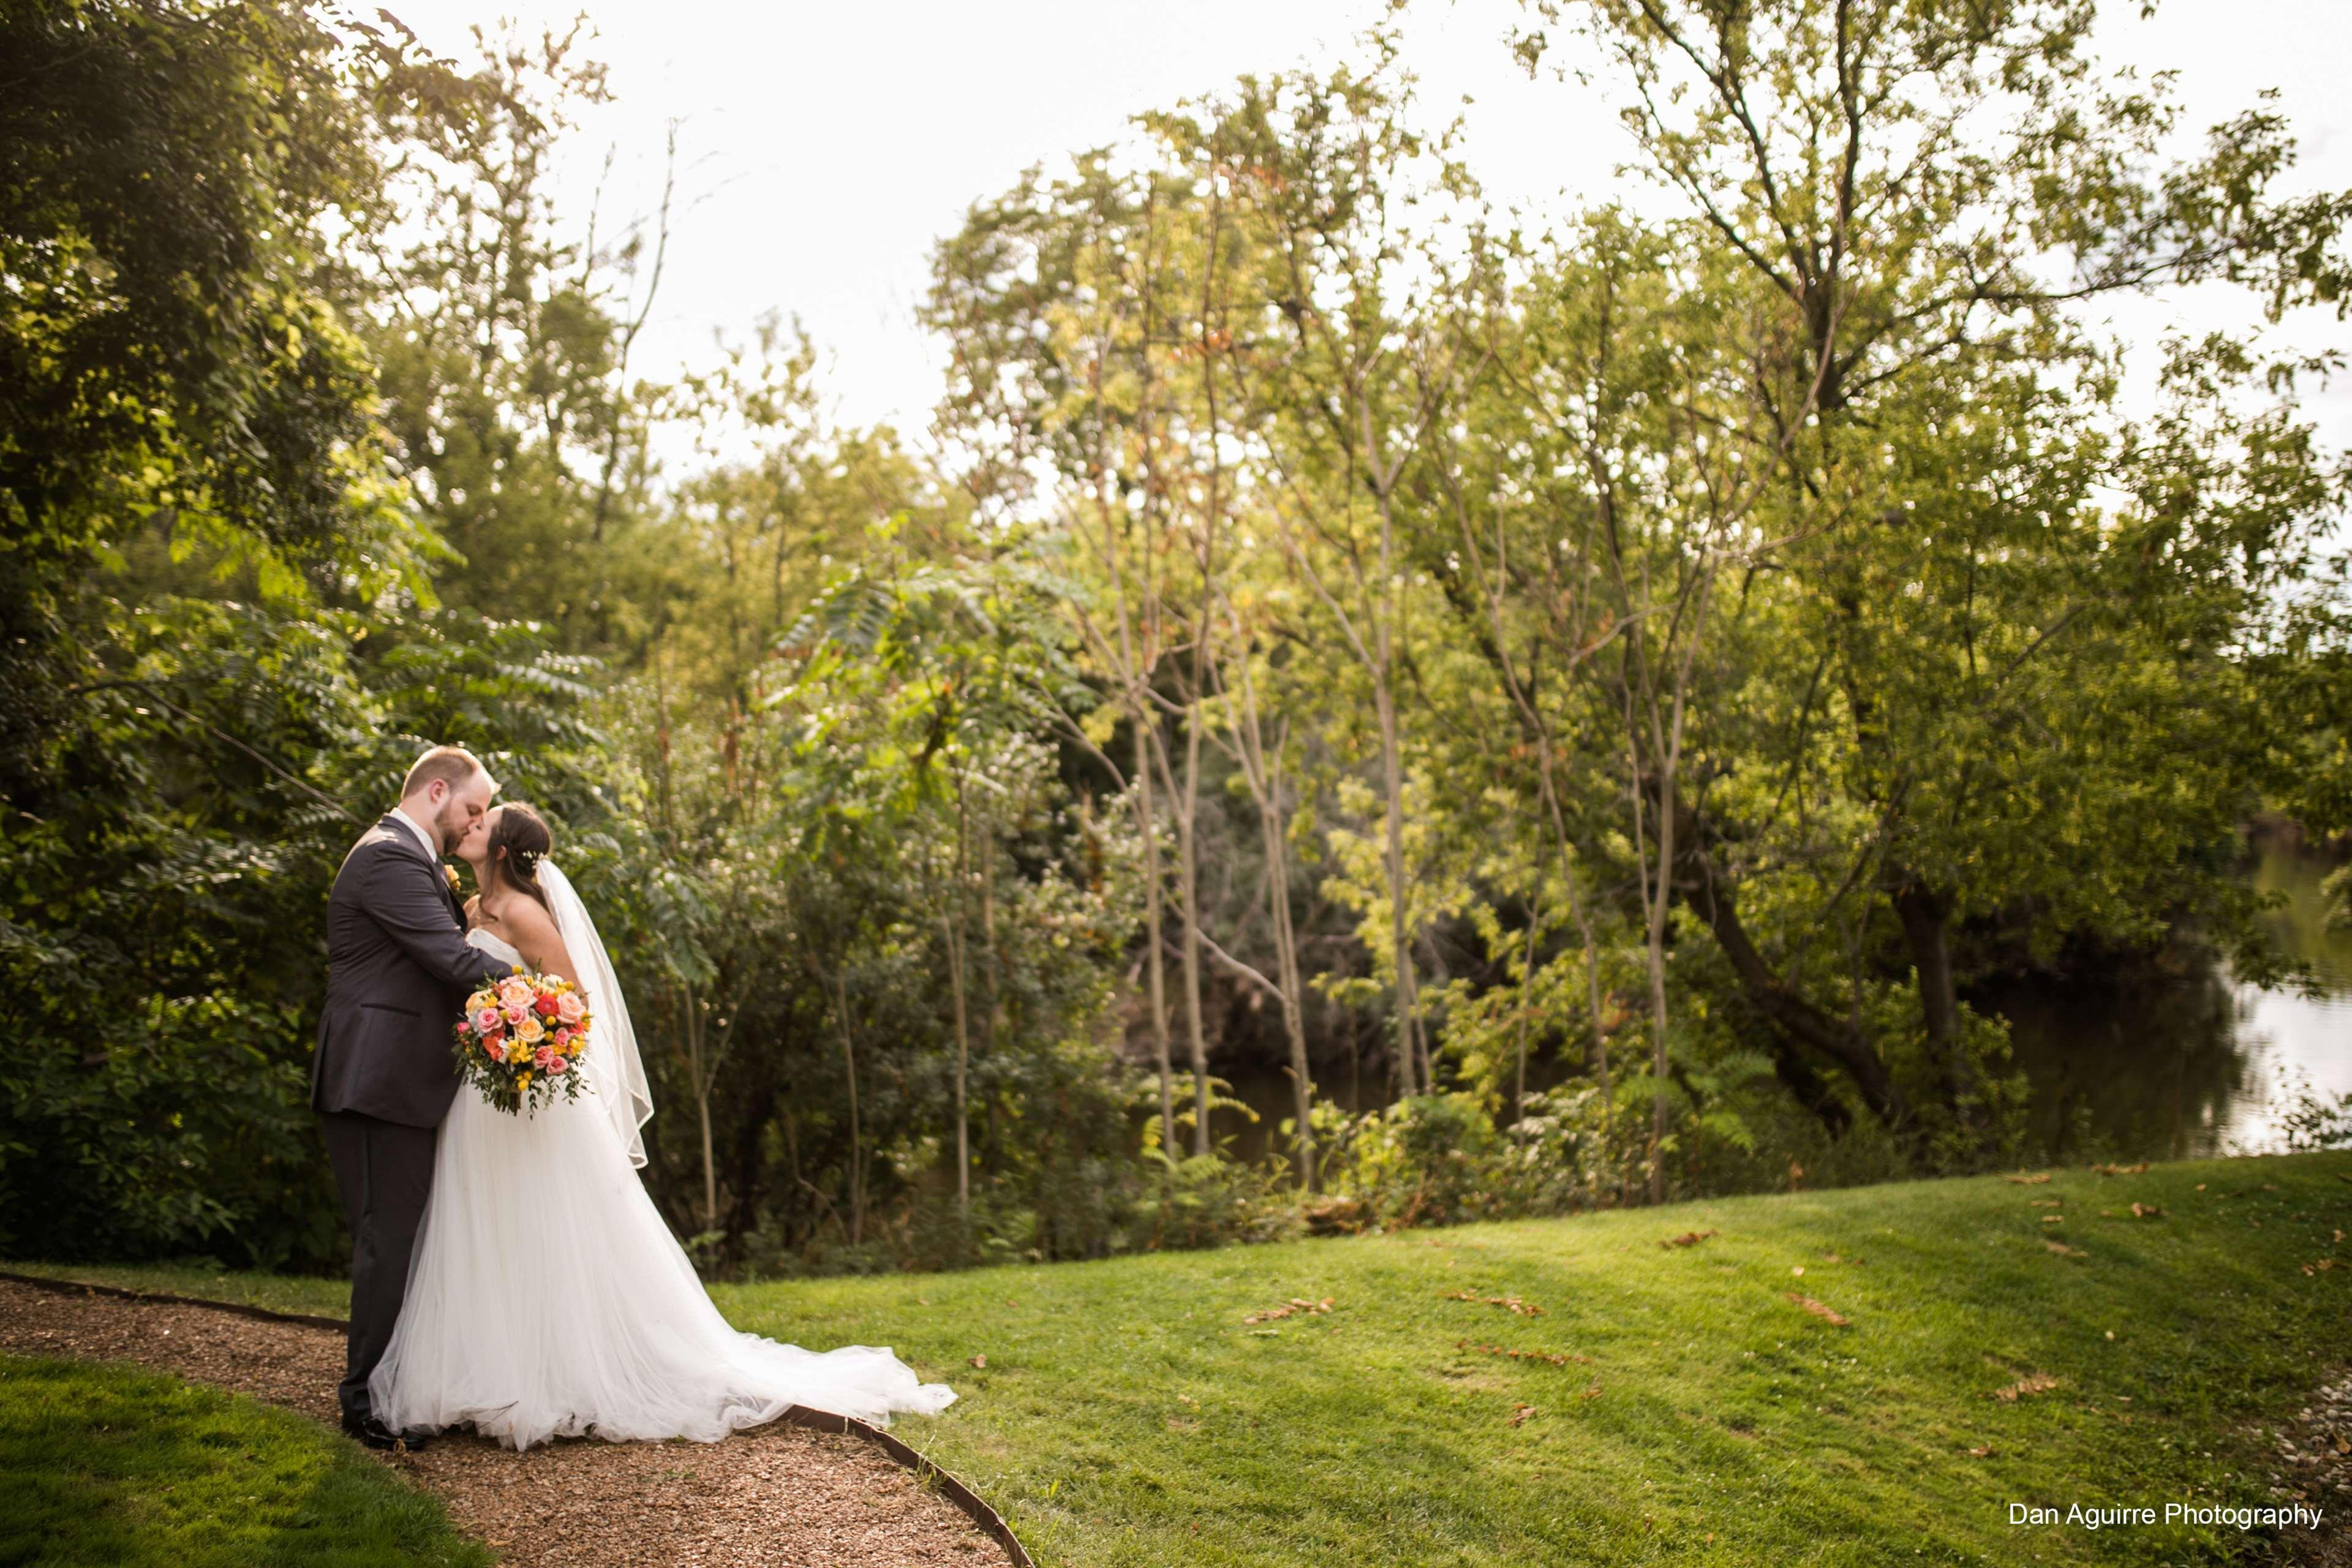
[(398, 969)]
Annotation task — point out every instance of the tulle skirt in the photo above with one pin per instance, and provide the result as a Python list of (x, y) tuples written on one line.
[(547, 1298)]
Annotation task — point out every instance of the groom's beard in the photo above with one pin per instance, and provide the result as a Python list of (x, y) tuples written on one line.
[(450, 829)]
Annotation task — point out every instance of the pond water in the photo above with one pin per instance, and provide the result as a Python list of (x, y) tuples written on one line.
[(2189, 1064), (2197, 1063)]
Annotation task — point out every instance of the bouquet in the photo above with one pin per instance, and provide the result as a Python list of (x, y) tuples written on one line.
[(521, 1040)]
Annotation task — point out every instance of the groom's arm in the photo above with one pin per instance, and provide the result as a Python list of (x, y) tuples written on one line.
[(402, 899)]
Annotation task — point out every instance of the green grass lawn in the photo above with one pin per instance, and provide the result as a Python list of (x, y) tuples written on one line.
[(112, 1465), (1128, 1413), (277, 1293)]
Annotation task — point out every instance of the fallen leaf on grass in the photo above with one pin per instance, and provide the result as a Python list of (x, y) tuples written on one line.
[(1796, 1272), (1688, 1238), (1556, 1358), (2044, 1202), (2339, 1236), (2030, 1180), (2053, 1219), (1524, 1309), (2064, 1250), (2121, 1170), (2147, 1211), (1827, 1314), (979, 1361), (2040, 1383), (1591, 1393), (1979, 1453), (1519, 1414), (1292, 1307)]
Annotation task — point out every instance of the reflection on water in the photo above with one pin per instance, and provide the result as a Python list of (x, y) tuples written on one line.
[(2188, 1065), (2196, 1065)]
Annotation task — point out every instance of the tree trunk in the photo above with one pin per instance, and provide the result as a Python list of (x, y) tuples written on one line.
[(1527, 1006), (1925, 915), (963, 1056), (1188, 879), (1656, 948), (1407, 991), (701, 1081), (1294, 1021), (857, 1132), (994, 956), (951, 921), (1155, 966), (1795, 1019)]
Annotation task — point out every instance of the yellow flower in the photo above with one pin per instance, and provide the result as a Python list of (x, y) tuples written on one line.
[(480, 1000), (524, 1081)]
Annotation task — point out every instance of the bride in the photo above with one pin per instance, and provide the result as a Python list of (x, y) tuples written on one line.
[(547, 1297)]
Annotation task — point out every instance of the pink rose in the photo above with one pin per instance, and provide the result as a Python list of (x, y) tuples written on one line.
[(543, 1058), (558, 1066), (568, 1007), (515, 991), (486, 1020), (514, 1014)]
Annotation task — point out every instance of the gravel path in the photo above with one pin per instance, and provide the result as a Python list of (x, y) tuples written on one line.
[(772, 1496)]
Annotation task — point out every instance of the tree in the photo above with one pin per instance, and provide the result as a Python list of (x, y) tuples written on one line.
[(1930, 430)]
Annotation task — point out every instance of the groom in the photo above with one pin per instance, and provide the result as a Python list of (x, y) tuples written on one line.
[(398, 969)]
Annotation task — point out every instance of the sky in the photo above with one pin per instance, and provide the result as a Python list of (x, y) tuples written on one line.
[(824, 147)]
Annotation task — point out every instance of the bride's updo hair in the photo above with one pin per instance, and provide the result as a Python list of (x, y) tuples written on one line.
[(518, 844)]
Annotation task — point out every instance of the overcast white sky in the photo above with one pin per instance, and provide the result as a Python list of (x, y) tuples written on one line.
[(826, 145)]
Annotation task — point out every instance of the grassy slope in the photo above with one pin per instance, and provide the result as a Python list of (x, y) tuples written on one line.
[(1128, 1415), (278, 1292), (108, 1464)]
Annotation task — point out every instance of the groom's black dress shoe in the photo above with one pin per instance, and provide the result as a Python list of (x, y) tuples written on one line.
[(375, 1433)]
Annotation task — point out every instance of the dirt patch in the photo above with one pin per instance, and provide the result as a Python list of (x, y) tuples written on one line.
[(2312, 1463), (772, 1496)]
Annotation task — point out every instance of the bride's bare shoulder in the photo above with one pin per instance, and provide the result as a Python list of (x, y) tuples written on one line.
[(527, 923), (526, 917)]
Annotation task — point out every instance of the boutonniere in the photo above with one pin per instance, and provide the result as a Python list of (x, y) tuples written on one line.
[(451, 872)]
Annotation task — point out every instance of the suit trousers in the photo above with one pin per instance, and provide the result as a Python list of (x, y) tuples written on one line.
[(384, 1173)]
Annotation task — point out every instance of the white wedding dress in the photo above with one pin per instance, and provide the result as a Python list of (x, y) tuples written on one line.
[(547, 1298)]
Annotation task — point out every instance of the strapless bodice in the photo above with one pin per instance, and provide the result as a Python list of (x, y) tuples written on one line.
[(497, 946)]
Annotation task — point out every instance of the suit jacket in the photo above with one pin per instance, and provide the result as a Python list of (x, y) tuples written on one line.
[(398, 971)]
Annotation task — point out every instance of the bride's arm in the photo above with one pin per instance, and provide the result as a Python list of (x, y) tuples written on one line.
[(536, 938)]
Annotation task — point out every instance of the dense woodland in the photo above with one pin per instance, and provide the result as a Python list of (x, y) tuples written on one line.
[(1581, 708)]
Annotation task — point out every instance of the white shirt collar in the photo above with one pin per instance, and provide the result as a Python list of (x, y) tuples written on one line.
[(422, 837)]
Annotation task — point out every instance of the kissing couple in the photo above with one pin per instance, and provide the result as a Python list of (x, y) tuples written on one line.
[(509, 1270)]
